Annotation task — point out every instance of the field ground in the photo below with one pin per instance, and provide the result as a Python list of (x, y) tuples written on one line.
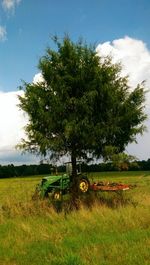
[(32, 233)]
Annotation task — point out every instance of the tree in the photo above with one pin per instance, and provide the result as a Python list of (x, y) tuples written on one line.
[(81, 106), (122, 161)]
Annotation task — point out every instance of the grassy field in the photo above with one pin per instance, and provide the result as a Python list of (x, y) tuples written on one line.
[(31, 232)]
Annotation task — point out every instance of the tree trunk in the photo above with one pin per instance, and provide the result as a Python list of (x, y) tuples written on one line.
[(75, 182)]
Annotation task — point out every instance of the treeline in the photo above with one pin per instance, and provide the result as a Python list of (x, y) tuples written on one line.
[(44, 169), (102, 167), (25, 170)]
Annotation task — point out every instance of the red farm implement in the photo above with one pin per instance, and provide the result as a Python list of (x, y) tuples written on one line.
[(102, 186)]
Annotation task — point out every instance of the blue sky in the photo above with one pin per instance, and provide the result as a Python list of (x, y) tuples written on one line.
[(31, 23), (26, 27)]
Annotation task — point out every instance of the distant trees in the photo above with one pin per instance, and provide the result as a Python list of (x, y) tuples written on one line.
[(10, 171), (123, 161), (24, 170), (7, 171)]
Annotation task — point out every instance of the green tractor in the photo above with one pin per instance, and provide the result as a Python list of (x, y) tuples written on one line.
[(58, 185)]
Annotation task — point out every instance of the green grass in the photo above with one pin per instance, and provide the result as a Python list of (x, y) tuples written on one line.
[(33, 233)]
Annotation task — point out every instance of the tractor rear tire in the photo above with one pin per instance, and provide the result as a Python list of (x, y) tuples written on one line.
[(84, 185)]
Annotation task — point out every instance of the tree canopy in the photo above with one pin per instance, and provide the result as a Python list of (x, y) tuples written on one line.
[(82, 105)]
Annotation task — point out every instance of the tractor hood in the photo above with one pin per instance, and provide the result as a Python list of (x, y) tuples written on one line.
[(54, 178)]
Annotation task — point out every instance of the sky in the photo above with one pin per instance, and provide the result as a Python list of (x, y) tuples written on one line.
[(116, 27)]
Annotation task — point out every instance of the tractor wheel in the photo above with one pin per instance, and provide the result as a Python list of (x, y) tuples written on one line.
[(57, 195), (84, 185)]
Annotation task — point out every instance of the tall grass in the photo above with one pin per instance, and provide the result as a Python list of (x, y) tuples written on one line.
[(32, 232)]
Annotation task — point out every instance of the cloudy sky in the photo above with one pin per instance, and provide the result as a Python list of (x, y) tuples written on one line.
[(119, 28)]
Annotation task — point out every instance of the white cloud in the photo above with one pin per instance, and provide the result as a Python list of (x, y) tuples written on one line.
[(15, 157), (134, 56), (12, 120), (38, 78), (10, 5), (142, 149), (135, 59), (3, 33)]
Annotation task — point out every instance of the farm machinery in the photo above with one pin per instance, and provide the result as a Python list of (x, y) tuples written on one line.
[(58, 185)]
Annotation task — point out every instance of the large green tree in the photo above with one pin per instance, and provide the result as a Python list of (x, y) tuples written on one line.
[(82, 105)]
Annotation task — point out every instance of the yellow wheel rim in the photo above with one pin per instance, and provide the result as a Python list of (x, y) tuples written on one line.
[(57, 195), (83, 186)]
